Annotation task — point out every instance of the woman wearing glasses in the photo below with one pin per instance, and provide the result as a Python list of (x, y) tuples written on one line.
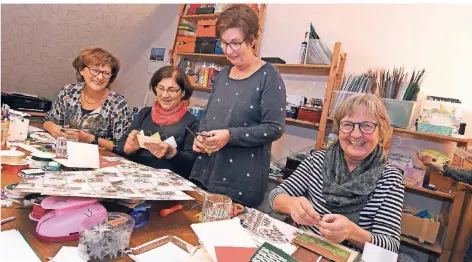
[(245, 114), (100, 115), (348, 193), (168, 117)]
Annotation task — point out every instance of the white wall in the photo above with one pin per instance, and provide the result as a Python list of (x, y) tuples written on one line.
[(435, 36), (39, 43)]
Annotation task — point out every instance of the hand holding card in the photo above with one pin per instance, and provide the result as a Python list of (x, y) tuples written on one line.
[(142, 139)]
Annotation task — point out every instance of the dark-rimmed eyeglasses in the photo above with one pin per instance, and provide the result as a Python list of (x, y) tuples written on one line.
[(366, 127), (95, 72), (170, 91), (235, 46)]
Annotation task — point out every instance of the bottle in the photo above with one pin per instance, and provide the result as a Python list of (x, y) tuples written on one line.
[(205, 77), (211, 74), (201, 74), (134, 113), (303, 50), (5, 125)]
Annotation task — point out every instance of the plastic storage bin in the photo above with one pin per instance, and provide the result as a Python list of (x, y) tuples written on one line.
[(399, 111), (440, 130)]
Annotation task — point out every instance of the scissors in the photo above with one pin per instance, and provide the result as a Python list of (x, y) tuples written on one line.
[(208, 151)]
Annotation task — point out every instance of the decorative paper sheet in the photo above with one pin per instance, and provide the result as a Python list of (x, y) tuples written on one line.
[(263, 225), (125, 181)]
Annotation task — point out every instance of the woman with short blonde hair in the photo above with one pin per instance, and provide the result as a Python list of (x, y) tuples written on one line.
[(349, 193)]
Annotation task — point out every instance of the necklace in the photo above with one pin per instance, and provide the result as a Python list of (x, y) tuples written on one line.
[(91, 103)]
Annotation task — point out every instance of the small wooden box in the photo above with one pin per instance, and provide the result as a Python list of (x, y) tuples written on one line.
[(185, 44), (309, 114), (206, 28)]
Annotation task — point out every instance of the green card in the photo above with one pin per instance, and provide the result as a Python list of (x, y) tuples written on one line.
[(270, 253)]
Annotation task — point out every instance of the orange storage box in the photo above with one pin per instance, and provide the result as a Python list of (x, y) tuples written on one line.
[(185, 44), (206, 28)]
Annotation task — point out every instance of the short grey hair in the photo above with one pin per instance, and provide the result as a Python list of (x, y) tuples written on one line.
[(370, 105)]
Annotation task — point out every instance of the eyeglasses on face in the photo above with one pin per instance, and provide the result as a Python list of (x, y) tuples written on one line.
[(366, 127), (95, 72), (235, 46), (171, 91)]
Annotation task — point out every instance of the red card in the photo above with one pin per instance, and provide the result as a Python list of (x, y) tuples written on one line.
[(234, 254)]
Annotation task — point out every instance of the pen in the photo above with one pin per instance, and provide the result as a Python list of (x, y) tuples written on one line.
[(6, 220)]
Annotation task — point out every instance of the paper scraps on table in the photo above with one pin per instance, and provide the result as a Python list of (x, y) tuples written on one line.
[(263, 225)]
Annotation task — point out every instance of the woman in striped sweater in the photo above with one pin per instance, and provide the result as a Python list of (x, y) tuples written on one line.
[(348, 194)]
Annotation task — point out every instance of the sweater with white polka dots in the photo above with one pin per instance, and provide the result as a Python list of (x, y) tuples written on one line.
[(253, 110)]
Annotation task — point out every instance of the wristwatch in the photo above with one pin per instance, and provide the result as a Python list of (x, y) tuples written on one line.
[(95, 140)]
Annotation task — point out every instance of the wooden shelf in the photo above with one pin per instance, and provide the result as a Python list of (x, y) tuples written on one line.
[(296, 69), (302, 123), (194, 18), (209, 58), (436, 247), (203, 89), (428, 136), (427, 192), (304, 69)]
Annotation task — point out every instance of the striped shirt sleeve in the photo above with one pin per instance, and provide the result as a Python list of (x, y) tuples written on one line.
[(386, 226), (298, 183)]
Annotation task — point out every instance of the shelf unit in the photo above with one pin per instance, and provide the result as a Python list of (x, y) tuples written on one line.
[(436, 248), (193, 19)]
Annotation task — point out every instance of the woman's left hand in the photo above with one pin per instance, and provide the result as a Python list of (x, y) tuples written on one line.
[(81, 136), (216, 139), (161, 149), (336, 228)]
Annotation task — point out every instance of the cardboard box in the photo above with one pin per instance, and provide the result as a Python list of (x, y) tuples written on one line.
[(421, 228), (185, 44), (206, 28)]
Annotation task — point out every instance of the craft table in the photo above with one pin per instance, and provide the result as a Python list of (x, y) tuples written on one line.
[(177, 223)]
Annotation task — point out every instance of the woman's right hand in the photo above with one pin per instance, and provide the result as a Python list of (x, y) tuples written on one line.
[(429, 161), (132, 144), (56, 132), (302, 212), (426, 159), (197, 146), (53, 129)]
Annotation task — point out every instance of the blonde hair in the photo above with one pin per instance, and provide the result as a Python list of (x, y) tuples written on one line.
[(370, 105)]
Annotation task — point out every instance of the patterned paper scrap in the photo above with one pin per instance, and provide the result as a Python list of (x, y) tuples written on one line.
[(263, 225)]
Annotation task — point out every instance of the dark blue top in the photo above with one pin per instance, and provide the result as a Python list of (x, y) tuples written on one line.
[(253, 110)]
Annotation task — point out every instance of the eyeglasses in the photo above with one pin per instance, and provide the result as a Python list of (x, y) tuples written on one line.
[(366, 127), (170, 91), (95, 72), (235, 46)]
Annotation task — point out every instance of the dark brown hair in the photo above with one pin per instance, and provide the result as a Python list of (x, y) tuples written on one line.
[(239, 16), (175, 73), (96, 56)]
